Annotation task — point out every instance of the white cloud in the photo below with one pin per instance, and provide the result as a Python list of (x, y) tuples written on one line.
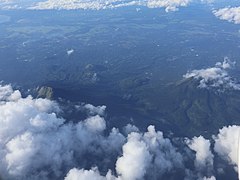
[(93, 110), (92, 174), (70, 51), (204, 156), (215, 77), (144, 154), (130, 128), (7, 93), (231, 14), (71, 4), (169, 5), (36, 143), (227, 143), (165, 154), (95, 124), (135, 160), (209, 178), (204, 159)]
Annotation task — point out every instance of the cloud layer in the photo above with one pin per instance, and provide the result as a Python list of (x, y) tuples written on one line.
[(215, 77), (231, 14), (169, 5), (34, 139), (35, 143)]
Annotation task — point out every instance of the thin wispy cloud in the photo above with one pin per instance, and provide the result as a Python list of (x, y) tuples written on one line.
[(169, 5)]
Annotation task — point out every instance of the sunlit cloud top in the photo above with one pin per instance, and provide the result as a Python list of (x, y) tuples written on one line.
[(231, 14)]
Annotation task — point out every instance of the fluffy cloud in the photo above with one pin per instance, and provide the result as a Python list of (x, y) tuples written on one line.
[(209, 178), (136, 158), (231, 14), (215, 77), (92, 174), (227, 144), (35, 143), (34, 139), (166, 156), (169, 5), (146, 154), (204, 156), (93, 110), (7, 93)]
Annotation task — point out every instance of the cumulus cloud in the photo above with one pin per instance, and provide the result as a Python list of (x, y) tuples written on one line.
[(136, 158), (146, 154), (215, 77), (93, 110), (227, 144), (231, 14), (92, 174), (209, 178), (7, 93), (166, 156), (169, 5), (204, 156), (36, 143)]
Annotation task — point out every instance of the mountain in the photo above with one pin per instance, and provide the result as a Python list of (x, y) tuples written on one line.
[(193, 110), (45, 92)]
